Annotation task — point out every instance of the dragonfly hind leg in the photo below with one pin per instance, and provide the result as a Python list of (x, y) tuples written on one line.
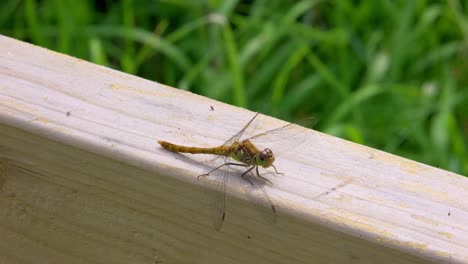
[(245, 173), (258, 174), (220, 166)]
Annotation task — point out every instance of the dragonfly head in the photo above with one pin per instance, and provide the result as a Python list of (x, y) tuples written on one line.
[(265, 158)]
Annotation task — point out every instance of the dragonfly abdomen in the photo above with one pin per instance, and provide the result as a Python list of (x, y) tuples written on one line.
[(221, 150)]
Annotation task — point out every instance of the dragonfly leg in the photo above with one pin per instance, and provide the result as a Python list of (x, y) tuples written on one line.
[(220, 166), (277, 172), (263, 178), (245, 173)]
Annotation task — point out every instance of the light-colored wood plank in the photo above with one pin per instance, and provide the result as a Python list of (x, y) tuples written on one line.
[(83, 180)]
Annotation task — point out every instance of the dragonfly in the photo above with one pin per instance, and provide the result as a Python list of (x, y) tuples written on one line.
[(237, 152)]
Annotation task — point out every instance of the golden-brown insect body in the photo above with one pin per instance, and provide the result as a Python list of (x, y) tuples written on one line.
[(243, 151)]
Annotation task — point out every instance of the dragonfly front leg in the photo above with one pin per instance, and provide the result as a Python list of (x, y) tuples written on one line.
[(220, 166), (277, 172)]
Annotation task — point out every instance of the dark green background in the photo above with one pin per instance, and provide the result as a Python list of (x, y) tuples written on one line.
[(392, 75)]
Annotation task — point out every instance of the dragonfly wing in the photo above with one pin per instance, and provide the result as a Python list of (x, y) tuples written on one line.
[(262, 199), (281, 139), (239, 134), (219, 172), (221, 200), (281, 132)]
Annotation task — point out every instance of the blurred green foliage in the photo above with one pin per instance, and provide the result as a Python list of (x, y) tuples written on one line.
[(390, 74)]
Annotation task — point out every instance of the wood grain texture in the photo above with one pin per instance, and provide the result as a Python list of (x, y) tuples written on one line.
[(83, 180)]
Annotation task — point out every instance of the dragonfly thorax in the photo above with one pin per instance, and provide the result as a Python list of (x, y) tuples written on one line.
[(248, 153)]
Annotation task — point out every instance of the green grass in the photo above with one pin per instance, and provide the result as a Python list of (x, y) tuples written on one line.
[(388, 74)]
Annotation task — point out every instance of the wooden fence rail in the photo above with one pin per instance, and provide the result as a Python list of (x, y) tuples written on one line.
[(83, 180)]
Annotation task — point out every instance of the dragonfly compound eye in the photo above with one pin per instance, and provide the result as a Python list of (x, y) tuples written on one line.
[(266, 158)]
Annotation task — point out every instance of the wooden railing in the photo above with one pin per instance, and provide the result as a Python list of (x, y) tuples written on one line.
[(83, 180)]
